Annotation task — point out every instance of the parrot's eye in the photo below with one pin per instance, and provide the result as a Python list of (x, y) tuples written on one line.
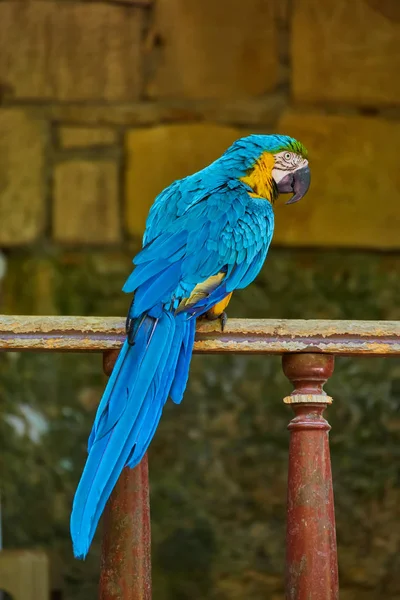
[(287, 156)]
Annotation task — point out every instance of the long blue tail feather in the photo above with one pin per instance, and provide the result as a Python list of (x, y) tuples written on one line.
[(145, 374), (183, 362)]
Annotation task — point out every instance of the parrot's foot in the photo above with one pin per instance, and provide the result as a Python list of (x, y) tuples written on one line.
[(129, 326), (222, 317)]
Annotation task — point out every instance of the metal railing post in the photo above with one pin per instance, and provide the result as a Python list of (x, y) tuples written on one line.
[(126, 550), (311, 552)]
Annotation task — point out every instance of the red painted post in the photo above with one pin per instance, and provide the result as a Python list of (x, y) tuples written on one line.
[(311, 553), (126, 558)]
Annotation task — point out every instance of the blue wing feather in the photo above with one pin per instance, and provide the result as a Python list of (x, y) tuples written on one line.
[(156, 288), (198, 227)]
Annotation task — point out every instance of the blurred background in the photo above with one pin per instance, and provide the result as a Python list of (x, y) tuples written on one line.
[(102, 104)]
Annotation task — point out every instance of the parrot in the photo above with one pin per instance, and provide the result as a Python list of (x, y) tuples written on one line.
[(206, 236)]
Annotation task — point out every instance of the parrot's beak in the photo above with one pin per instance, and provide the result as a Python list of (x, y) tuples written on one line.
[(297, 182)]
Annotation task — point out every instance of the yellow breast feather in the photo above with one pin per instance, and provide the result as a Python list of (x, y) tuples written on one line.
[(260, 177)]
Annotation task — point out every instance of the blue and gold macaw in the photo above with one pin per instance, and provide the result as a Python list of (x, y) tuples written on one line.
[(206, 236)]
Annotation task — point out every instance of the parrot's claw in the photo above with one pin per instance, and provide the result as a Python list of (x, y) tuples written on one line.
[(223, 317), (129, 328), (129, 323)]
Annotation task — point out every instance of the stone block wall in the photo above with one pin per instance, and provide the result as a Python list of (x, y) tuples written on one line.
[(103, 104)]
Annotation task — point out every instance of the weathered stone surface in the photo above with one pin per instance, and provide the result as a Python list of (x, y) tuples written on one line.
[(158, 156), (69, 51), (354, 196), (137, 2), (254, 112), (346, 51), (209, 49), (86, 207), (83, 137), (389, 8), (22, 141)]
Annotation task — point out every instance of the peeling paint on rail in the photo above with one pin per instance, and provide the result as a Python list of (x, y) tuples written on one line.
[(256, 336)]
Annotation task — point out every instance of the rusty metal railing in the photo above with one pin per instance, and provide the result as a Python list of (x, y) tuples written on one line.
[(308, 349)]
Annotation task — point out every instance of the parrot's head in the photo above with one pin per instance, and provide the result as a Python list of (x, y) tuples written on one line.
[(272, 165), (291, 173)]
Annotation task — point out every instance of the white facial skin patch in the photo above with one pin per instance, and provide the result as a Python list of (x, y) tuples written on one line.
[(287, 162)]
